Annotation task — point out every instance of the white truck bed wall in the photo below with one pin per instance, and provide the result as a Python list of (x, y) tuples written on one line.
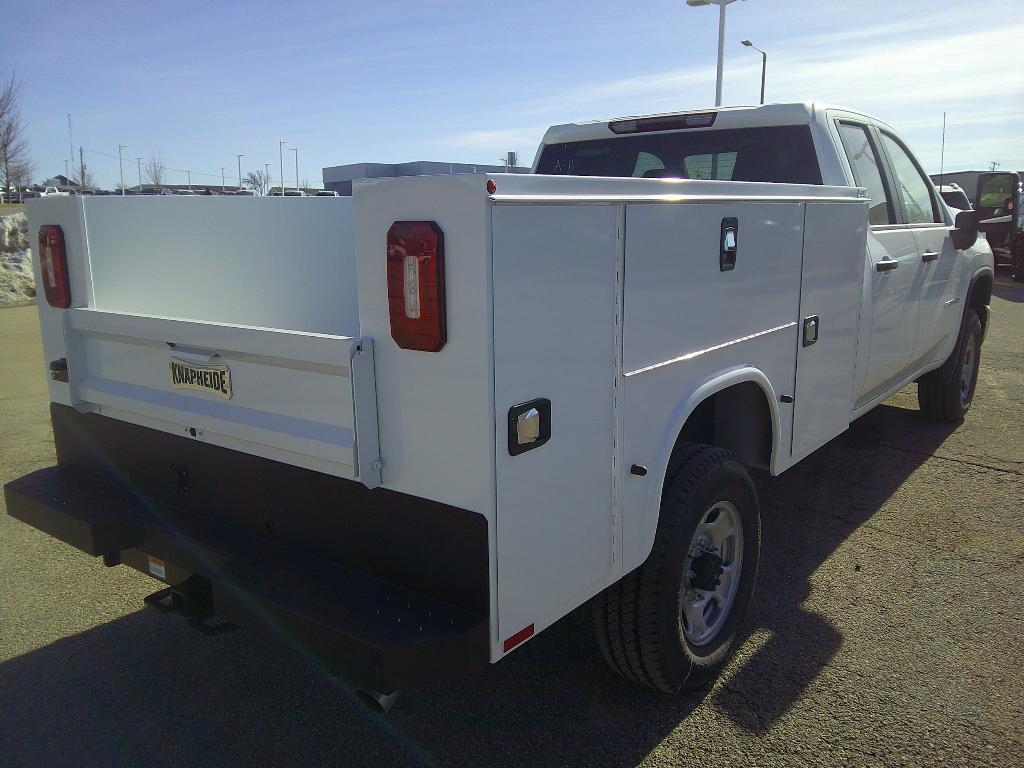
[(254, 285)]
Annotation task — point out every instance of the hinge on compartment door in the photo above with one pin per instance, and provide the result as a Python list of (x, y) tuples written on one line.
[(366, 440)]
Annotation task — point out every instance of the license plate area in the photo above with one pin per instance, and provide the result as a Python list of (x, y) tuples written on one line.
[(214, 378)]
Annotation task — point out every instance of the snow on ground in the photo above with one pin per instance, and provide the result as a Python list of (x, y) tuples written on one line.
[(17, 284)]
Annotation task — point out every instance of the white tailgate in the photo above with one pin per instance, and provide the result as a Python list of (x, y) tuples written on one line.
[(292, 396)]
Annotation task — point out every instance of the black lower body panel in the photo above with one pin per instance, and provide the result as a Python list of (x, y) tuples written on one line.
[(387, 589)]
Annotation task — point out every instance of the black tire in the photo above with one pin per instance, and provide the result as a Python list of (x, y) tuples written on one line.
[(637, 621), (941, 393), (1017, 258)]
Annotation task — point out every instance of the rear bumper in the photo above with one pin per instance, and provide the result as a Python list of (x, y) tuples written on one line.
[(362, 622)]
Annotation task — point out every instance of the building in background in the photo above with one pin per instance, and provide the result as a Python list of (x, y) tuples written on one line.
[(340, 177)]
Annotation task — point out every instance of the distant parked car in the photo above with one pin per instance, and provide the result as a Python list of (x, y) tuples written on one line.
[(955, 197), (184, 192), (245, 193), (326, 193), (53, 192), (289, 193)]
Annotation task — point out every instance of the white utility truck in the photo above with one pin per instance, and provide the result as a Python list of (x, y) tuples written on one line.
[(408, 430)]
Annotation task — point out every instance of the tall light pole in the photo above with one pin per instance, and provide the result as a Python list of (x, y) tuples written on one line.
[(296, 151), (120, 165), (280, 157), (721, 40), (222, 178), (138, 162), (239, 158), (267, 190), (764, 63)]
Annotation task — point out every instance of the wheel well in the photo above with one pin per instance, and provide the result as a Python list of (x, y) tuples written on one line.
[(738, 419), (980, 296)]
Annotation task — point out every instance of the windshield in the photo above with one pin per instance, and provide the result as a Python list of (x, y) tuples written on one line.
[(778, 154)]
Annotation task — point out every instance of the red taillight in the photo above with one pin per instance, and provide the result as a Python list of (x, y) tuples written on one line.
[(54, 266), (416, 285)]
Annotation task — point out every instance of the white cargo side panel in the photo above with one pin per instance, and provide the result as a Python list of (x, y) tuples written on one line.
[(690, 329), (830, 297), (554, 336)]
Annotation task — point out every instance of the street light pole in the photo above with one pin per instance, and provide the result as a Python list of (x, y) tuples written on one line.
[(764, 63), (280, 157), (721, 40), (120, 165), (267, 179), (222, 178), (296, 151), (138, 163)]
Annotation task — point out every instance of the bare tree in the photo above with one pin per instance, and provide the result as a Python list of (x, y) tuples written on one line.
[(258, 181), (88, 180), (154, 170), (15, 164)]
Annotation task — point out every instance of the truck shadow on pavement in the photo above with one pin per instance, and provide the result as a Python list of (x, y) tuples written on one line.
[(1006, 288), (145, 689)]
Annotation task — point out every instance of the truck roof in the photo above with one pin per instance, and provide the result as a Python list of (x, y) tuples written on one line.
[(797, 113)]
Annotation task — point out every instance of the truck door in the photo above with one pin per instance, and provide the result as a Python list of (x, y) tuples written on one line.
[(937, 257), (892, 264), (554, 375)]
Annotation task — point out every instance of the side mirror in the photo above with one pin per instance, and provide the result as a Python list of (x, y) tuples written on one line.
[(965, 230)]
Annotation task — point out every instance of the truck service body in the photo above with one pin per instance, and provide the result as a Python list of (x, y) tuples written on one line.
[(408, 430)]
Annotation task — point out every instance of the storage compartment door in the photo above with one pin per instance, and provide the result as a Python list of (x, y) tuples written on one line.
[(554, 331), (830, 294)]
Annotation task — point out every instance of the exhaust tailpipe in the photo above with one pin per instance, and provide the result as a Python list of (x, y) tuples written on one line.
[(376, 701)]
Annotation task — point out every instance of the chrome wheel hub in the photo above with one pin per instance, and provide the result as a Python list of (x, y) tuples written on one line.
[(711, 573)]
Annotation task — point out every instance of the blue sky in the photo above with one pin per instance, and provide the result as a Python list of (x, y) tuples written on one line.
[(391, 81)]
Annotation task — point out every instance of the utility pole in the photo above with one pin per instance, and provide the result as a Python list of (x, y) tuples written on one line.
[(280, 158), (120, 165), (993, 165), (267, 179), (138, 164), (296, 151), (942, 153), (222, 178), (81, 164), (67, 173), (721, 40), (71, 146), (189, 180), (239, 158)]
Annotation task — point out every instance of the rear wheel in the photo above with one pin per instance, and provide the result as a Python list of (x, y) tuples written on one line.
[(1017, 258), (671, 623), (946, 393)]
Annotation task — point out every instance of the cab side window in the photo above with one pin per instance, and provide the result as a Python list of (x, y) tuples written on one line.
[(914, 187), (867, 172)]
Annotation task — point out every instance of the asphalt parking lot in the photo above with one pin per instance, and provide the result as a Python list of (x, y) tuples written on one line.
[(886, 629)]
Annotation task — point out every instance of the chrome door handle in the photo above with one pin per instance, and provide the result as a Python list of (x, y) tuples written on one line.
[(929, 256), (886, 265)]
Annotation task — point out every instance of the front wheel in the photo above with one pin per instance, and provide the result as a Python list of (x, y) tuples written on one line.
[(671, 623), (946, 393)]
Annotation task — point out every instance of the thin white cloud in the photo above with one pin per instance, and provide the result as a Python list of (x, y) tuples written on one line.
[(907, 72)]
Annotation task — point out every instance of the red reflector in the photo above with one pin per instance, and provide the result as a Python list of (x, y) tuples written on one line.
[(416, 302), (518, 637), (491, 187), (54, 266)]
